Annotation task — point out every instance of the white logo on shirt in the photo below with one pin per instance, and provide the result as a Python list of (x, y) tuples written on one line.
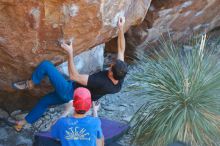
[(77, 133)]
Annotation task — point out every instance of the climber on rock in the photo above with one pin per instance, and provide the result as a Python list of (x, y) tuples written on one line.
[(87, 129), (101, 83)]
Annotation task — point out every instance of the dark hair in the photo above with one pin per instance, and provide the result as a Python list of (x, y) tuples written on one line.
[(81, 112), (119, 69)]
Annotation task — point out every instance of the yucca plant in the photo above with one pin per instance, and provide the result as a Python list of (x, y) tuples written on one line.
[(182, 87)]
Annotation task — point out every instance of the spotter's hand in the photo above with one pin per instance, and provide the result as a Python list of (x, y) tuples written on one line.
[(95, 105)]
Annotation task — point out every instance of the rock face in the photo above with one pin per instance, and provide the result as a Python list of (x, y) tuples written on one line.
[(87, 62), (181, 18), (30, 30)]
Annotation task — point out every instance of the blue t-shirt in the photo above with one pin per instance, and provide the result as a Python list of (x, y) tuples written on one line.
[(77, 131)]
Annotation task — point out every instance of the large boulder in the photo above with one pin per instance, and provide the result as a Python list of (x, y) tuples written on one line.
[(30, 30), (181, 18)]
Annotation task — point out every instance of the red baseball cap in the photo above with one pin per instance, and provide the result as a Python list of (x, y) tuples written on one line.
[(82, 99)]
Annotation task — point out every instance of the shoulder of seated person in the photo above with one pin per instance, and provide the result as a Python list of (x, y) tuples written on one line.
[(94, 118)]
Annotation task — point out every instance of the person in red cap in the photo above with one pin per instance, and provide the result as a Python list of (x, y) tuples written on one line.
[(79, 130)]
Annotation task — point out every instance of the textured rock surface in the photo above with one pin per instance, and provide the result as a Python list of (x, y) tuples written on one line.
[(3, 114), (87, 62), (29, 30), (180, 17)]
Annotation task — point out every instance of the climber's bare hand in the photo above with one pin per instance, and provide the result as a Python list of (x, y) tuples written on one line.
[(68, 46), (121, 22)]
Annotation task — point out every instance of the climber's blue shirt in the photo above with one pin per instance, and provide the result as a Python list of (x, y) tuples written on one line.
[(77, 131)]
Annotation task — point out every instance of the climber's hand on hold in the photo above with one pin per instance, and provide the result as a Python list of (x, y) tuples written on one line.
[(68, 46), (121, 22)]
